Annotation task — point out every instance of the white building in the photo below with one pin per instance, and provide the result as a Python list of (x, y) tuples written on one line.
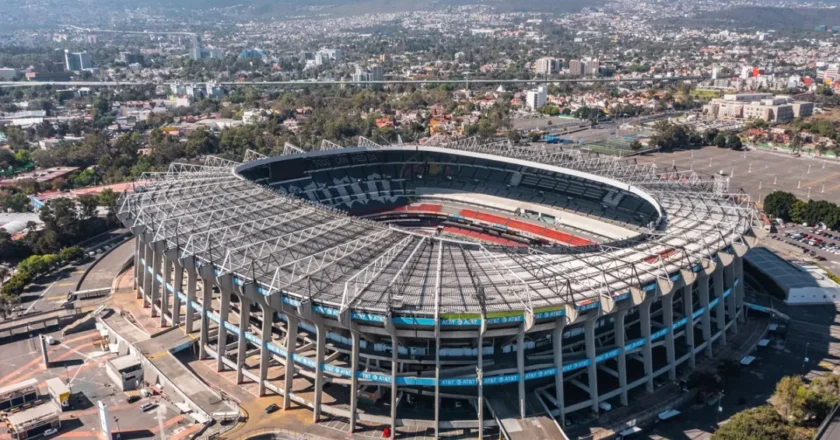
[(536, 98), (546, 66), (324, 56)]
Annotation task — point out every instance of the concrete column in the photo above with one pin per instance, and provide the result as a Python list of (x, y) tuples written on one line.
[(668, 320), (706, 317), (479, 376), (729, 283), (395, 344), (291, 345), (647, 352), (739, 289), (168, 269), (520, 368), (592, 370), (244, 325), (620, 342), (147, 276), (226, 289), (437, 380), (557, 345), (320, 348), (207, 299), (192, 280), (265, 337), (354, 379), (177, 284), (720, 308), (157, 260), (688, 311), (138, 248)]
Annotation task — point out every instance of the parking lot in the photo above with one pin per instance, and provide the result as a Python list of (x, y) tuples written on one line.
[(79, 359), (760, 172)]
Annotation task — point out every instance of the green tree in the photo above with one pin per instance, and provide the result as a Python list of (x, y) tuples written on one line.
[(8, 303), (71, 253), (762, 423), (88, 204), (720, 140), (778, 204), (784, 399)]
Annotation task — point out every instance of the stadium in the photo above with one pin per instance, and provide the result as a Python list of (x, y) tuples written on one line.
[(448, 286)]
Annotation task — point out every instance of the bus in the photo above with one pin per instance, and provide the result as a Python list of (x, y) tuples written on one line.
[(59, 392)]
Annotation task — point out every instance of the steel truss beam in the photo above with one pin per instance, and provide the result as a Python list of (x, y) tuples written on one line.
[(251, 253), (294, 271), (369, 144), (218, 162), (327, 145), (357, 284), (251, 156), (289, 149)]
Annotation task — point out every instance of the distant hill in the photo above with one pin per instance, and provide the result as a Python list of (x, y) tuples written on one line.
[(761, 17)]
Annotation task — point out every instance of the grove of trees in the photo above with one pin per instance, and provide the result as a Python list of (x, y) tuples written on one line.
[(786, 206)]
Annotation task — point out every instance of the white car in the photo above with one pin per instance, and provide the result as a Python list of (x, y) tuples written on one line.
[(50, 432)]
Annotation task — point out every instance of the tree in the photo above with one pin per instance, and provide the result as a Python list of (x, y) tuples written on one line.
[(88, 204), (720, 140), (8, 303), (636, 145), (778, 204), (72, 253), (762, 423), (734, 142), (784, 399)]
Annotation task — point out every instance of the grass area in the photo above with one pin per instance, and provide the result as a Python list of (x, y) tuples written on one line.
[(706, 93)]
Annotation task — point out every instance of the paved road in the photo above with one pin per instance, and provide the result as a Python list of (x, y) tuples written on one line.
[(51, 291)]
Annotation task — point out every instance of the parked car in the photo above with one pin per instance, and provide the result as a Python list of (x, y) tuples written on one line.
[(133, 398), (271, 408), (147, 406)]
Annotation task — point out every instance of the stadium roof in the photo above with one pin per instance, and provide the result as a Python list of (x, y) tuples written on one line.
[(309, 251)]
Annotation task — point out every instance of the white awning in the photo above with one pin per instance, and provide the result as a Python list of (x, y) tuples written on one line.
[(763, 342), (747, 360)]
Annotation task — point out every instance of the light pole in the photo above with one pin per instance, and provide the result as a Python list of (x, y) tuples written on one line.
[(117, 421), (805, 359)]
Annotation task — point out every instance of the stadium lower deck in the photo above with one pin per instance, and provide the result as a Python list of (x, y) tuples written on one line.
[(505, 272)]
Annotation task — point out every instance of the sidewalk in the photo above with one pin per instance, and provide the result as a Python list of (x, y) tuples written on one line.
[(669, 396)]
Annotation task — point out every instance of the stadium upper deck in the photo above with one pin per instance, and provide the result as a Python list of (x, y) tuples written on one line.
[(272, 221)]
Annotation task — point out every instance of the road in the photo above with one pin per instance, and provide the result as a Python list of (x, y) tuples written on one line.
[(51, 291), (342, 82)]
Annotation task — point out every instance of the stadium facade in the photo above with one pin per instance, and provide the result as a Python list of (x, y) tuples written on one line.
[(495, 270)]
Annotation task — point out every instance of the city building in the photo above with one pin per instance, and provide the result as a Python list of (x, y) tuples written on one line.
[(536, 98), (8, 73), (781, 108), (126, 372), (21, 393), (325, 56), (372, 73), (130, 58), (546, 66), (576, 68), (252, 53), (34, 421), (77, 61), (592, 67)]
